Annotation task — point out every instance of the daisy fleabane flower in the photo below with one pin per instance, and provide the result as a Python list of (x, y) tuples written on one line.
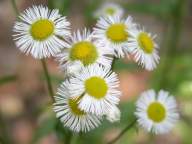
[(83, 50), (98, 87), (109, 9), (144, 48), (113, 31), (156, 113), (71, 116), (40, 32)]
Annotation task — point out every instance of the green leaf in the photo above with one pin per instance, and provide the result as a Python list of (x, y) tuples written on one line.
[(7, 79)]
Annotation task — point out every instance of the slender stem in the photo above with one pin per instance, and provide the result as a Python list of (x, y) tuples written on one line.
[(123, 132), (13, 3), (49, 85)]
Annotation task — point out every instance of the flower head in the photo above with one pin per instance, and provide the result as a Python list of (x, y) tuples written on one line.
[(39, 32), (113, 31), (144, 48), (156, 113), (69, 113), (109, 9), (98, 87), (83, 48)]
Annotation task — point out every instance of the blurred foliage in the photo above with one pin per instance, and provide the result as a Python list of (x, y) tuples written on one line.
[(45, 128), (7, 79), (52, 124)]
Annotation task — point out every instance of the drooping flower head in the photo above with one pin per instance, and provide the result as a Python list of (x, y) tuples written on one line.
[(81, 47), (69, 113), (144, 48), (39, 32), (98, 87), (113, 31), (109, 9), (156, 113)]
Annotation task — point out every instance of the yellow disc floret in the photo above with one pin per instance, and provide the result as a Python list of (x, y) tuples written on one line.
[(156, 112), (73, 104), (84, 51), (110, 11), (146, 42), (42, 29), (96, 87), (117, 33)]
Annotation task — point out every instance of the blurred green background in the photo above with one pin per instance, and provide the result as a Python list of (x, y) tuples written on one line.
[(25, 117)]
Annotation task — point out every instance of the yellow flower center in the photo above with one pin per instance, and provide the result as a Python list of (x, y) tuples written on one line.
[(110, 11), (96, 87), (117, 33), (42, 29), (146, 42), (73, 104), (156, 112), (84, 51)]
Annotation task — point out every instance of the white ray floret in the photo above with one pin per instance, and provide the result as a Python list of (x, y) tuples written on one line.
[(114, 32), (40, 32), (98, 87), (109, 9), (156, 113), (144, 48), (81, 47), (71, 116)]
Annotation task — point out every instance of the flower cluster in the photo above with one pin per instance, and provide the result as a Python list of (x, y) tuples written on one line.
[(90, 92)]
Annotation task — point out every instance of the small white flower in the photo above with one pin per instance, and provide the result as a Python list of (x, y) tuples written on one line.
[(109, 9), (67, 111), (113, 31), (39, 32), (156, 113), (144, 48), (83, 48), (114, 114), (98, 87)]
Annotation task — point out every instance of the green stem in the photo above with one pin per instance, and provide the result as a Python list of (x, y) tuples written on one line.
[(49, 85), (13, 3), (128, 127)]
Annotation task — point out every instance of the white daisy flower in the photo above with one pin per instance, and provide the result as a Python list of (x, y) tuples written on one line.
[(156, 113), (83, 48), (114, 115), (72, 117), (98, 87), (109, 9), (144, 48), (39, 32), (113, 31)]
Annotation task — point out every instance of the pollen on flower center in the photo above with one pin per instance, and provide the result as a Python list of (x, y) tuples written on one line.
[(117, 33), (73, 104), (146, 42), (96, 87), (156, 112), (42, 29), (110, 11), (84, 51)]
